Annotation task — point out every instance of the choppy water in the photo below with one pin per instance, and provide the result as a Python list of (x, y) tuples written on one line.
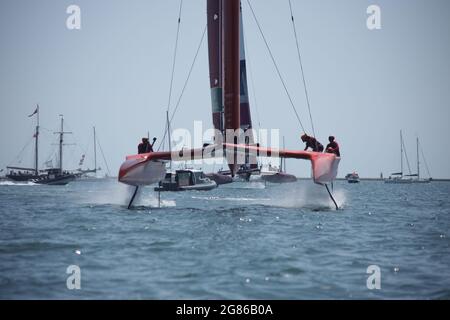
[(240, 241)]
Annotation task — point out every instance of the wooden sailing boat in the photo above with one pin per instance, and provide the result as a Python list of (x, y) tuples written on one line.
[(57, 176), (52, 176), (224, 30)]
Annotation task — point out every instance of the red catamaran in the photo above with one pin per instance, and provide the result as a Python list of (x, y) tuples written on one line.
[(230, 110)]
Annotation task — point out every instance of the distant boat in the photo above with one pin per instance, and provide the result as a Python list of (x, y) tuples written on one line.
[(92, 174), (57, 176), (277, 175), (398, 177), (352, 177), (186, 179), (219, 178), (53, 176)]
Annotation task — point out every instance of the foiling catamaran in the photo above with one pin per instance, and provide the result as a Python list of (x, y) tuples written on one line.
[(224, 32)]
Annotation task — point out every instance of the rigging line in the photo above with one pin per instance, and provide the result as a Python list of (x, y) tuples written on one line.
[(254, 94), (189, 74), (21, 152), (252, 82), (104, 159), (425, 160), (301, 68), (103, 155), (276, 67), (162, 142), (175, 55), (185, 84), (406, 157)]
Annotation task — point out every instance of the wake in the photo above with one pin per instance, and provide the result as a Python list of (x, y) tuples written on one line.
[(120, 195), (11, 183), (310, 196)]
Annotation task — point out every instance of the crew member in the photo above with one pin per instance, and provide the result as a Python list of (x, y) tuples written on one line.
[(333, 146), (312, 143), (145, 146)]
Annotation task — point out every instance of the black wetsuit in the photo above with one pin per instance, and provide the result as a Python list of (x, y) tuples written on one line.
[(333, 147), (145, 148), (313, 144)]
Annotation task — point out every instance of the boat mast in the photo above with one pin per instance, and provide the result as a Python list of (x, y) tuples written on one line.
[(401, 153), (36, 147), (95, 152), (231, 74), (168, 137), (61, 143), (283, 160), (418, 161), (215, 22)]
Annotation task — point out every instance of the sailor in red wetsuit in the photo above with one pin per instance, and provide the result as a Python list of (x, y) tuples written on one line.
[(312, 143), (333, 147), (145, 146)]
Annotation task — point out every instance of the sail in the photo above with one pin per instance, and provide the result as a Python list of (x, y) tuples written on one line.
[(214, 17), (219, 64), (224, 59), (246, 121), (245, 115)]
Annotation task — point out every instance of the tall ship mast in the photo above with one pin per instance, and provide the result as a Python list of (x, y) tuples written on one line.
[(22, 174)]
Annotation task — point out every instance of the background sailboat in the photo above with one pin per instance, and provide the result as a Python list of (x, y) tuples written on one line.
[(416, 176), (399, 177), (57, 176), (277, 175)]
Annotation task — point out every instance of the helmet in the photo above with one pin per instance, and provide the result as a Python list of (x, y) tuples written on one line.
[(331, 138), (304, 137)]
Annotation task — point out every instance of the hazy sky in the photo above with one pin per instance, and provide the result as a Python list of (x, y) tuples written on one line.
[(114, 73)]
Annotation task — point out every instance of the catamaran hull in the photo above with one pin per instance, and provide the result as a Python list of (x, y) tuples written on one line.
[(219, 178), (136, 173), (279, 177), (147, 169)]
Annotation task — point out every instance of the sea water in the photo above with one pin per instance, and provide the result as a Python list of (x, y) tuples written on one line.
[(239, 241)]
